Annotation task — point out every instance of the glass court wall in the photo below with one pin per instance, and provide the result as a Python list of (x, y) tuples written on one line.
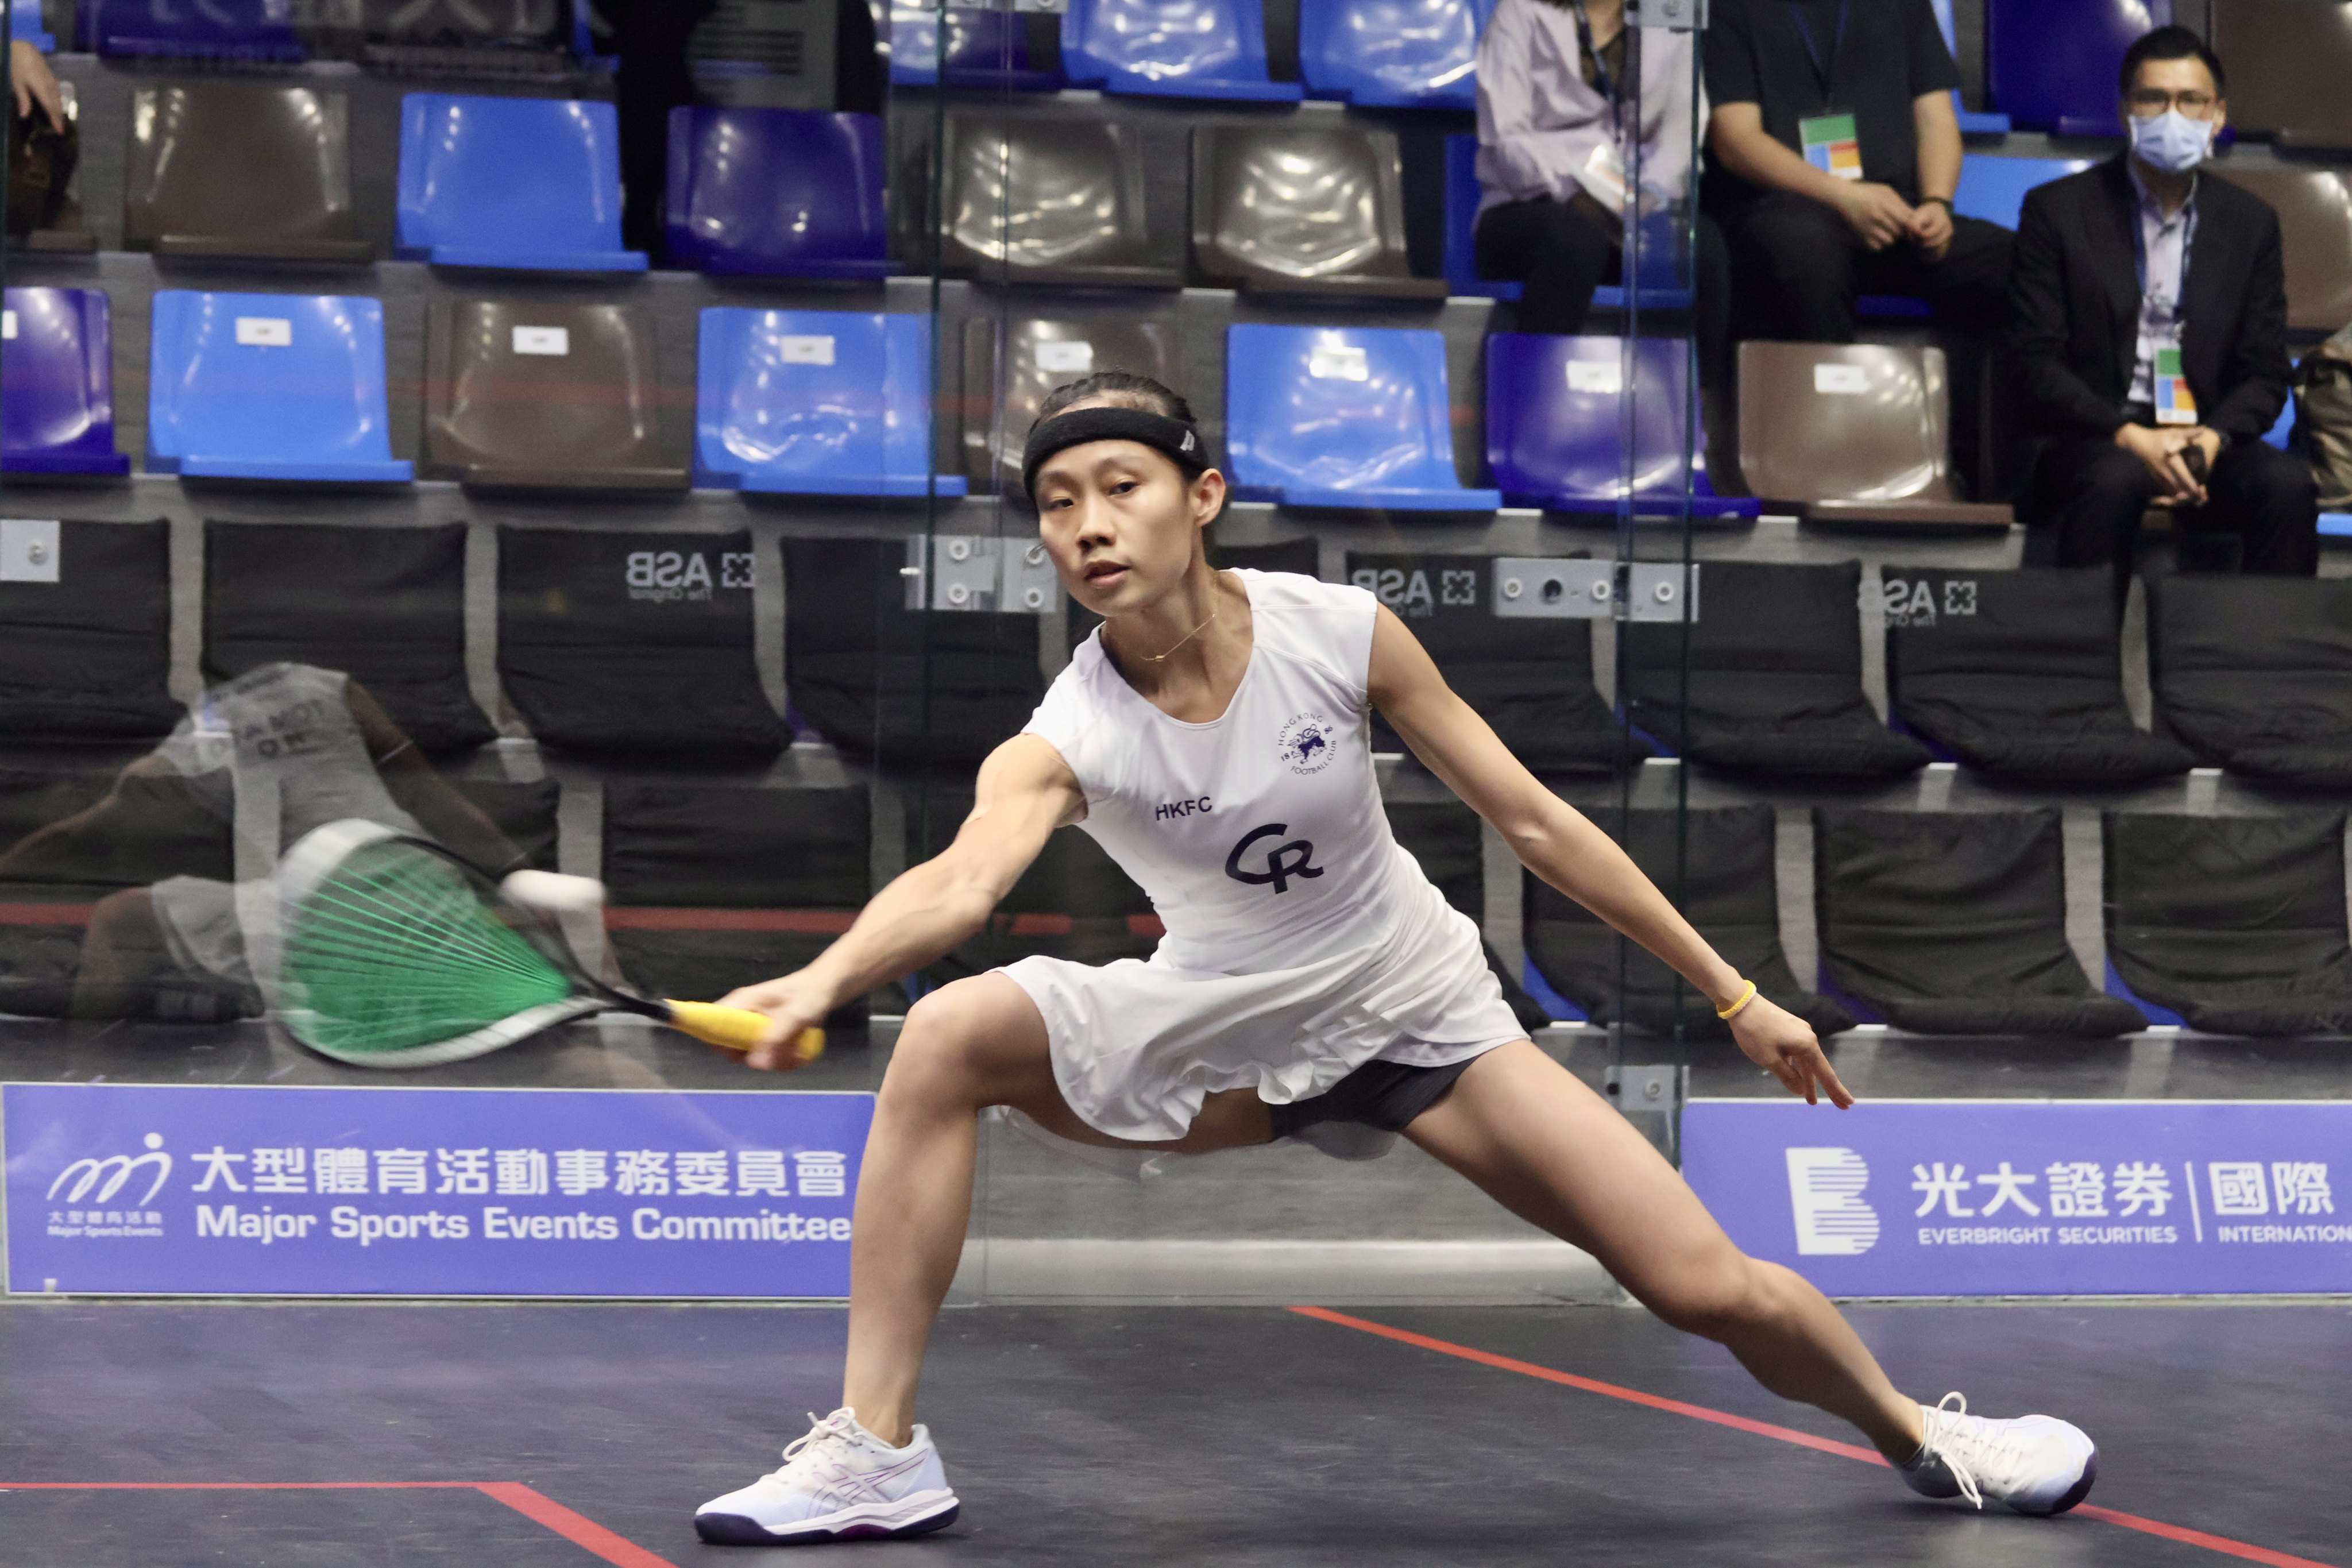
[(440, 479)]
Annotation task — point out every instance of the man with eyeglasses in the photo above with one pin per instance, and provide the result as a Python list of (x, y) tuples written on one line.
[(2149, 324)]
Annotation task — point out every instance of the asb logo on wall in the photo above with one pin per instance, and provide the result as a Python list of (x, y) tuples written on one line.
[(2032, 1197), (282, 1191)]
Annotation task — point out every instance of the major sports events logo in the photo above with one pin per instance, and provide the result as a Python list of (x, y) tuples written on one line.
[(1825, 1188), (1306, 742), (100, 1180)]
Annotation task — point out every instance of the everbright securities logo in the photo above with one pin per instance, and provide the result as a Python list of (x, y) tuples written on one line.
[(1825, 1187)]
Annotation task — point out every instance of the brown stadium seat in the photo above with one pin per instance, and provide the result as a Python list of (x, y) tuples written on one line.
[(253, 173), (543, 396), (1039, 199), (2289, 61), (1286, 209), (1851, 432), (2314, 209), (1006, 376)]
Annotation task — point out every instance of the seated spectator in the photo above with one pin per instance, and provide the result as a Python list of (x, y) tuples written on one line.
[(1552, 79), (1836, 155), (34, 85), (2159, 394)]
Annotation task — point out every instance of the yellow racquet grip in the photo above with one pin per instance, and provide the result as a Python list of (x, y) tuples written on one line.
[(736, 1028)]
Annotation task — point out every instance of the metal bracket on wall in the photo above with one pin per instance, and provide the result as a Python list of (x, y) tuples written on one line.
[(1656, 591), (1656, 1088), (28, 550), (1539, 589), (973, 572)]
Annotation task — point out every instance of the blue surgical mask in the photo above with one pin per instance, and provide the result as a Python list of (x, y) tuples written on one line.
[(2171, 140)]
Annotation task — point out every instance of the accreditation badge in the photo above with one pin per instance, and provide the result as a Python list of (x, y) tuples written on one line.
[(2174, 403), (1830, 145)]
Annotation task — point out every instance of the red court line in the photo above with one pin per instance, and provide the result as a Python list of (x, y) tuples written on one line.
[(576, 1528), (533, 1505), (44, 914), (829, 922), (2218, 1543)]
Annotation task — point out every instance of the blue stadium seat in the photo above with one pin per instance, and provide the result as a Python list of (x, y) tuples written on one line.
[(2051, 65), (1994, 188), (1556, 425), (57, 385), (1973, 122), (833, 403), (777, 193), (248, 30), (268, 386), (26, 24), (982, 50), (1392, 53), (524, 183), (1171, 49), (1357, 418), (1462, 196)]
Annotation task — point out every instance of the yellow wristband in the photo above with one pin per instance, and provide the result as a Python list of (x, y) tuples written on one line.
[(1728, 1014)]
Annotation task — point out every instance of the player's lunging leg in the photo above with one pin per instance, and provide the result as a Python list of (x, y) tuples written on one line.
[(868, 1468), (1551, 1151)]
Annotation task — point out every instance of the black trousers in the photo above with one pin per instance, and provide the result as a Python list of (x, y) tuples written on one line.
[(1562, 251), (1800, 269), (2092, 493)]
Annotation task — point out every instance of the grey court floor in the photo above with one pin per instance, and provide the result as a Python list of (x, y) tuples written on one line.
[(1150, 1436)]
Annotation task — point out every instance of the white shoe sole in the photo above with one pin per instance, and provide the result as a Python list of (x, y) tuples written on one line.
[(918, 1514)]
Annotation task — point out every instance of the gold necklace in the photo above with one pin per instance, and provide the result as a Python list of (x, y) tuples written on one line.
[(1188, 637)]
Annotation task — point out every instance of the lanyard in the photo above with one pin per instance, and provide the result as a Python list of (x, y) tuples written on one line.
[(1822, 72), (1600, 67), (2139, 245)]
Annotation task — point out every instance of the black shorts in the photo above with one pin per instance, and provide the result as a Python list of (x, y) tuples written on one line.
[(1386, 1095)]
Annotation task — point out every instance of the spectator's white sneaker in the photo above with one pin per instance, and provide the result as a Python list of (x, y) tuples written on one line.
[(838, 1483), (2035, 1464)]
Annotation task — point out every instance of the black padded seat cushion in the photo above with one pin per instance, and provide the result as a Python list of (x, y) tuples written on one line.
[(1775, 677), (1074, 901), (1530, 680), (384, 605), (2019, 674), (635, 644), (1955, 923), (714, 886), (151, 826), (2237, 923), (1448, 840), (88, 657), (2255, 674), (1727, 893), (856, 667)]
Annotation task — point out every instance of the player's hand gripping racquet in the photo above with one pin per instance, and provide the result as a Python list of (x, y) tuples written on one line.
[(399, 954)]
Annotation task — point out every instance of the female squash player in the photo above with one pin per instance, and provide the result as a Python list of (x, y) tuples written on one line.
[(1213, 737)]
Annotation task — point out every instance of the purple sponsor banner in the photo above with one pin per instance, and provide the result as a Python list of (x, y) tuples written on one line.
[(248, 1190), (2016, 1197)]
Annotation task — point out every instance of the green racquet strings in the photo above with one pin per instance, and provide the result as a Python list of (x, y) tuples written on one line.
[(393, 949)]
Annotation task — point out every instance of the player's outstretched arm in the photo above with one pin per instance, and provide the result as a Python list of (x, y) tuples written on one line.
[(1555, 841), (1026, 791)]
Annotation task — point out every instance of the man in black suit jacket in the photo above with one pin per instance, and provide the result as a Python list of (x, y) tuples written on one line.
[(2147, 323)]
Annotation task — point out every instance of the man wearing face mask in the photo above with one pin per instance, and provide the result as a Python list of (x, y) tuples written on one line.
[(2149, 324)]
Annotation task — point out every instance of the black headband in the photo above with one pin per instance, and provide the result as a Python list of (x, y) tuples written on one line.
[(1173, 439)]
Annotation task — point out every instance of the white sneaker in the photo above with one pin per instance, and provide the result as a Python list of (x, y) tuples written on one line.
[(2035, 1464), (838, 1483)]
